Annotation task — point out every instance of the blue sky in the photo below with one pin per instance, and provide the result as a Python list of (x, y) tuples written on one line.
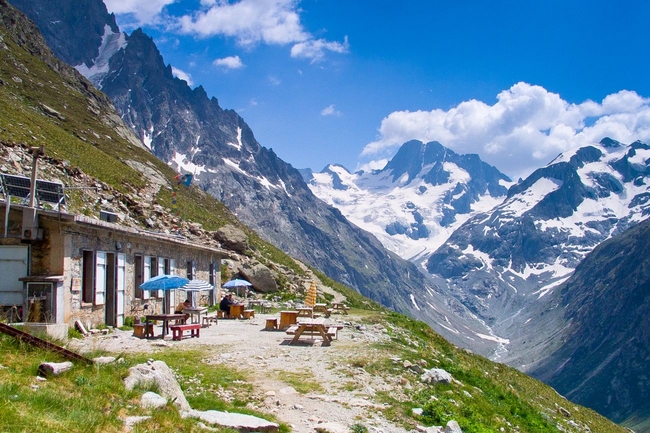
[(348, 82)]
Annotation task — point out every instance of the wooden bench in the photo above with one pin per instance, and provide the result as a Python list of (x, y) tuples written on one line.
[(207, 320), (333, 331), (247, 314), (142, 330), (271, 324), (177, 330), (291, 330)]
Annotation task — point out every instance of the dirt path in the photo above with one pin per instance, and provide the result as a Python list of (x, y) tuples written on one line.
[(347, 392)]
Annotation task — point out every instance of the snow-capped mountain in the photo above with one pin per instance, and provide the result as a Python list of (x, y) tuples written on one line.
[(498, 252), (417, 200), (503, 264)]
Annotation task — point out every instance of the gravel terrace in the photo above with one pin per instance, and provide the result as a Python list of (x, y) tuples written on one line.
[(244, 344)]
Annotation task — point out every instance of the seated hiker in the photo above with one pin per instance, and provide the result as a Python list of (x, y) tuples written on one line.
[(225, 304), (180, 308)]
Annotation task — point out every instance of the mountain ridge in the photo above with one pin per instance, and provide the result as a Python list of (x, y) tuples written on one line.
[(195, 135)]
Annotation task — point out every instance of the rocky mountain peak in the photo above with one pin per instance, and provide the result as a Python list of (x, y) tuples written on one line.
[(193, 134), (412, 157), (68, 21), (610, 143)]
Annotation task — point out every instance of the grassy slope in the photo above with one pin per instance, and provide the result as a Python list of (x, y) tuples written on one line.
[(486, 397), (91, 399), (85, 142)]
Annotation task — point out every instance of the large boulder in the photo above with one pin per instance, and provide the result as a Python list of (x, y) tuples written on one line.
[(157, 373), (232, 238), (453, 427), (436, 375), (236, 421), (260, 276)]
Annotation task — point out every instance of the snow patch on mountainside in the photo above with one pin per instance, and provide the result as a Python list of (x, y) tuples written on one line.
[(111, 44), (522, 203), (183, 163), (239, 143), (148, 138)]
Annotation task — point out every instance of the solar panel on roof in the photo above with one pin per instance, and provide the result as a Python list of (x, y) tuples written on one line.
[(16, 186), (51, 192), (46, 191)]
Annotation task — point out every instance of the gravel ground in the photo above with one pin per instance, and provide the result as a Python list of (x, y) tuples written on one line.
[(347, 395)]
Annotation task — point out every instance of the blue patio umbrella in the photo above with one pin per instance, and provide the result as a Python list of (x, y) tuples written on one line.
[(164, 282), (236, 283)]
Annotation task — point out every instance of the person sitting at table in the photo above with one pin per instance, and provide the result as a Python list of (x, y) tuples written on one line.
[(225, 304), (182, 306)]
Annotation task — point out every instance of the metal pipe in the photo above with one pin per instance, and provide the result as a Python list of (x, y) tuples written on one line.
[(36, 152)]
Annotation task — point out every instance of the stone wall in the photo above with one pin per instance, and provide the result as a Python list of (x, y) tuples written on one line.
[(129, 245), (61, 252)]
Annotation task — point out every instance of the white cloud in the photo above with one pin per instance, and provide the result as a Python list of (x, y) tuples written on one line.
[(315, 48), (141, 12), (376, 164), (330, 111), (183, 76), (525, 129), (251, 22), (274, 81), (231, 62)]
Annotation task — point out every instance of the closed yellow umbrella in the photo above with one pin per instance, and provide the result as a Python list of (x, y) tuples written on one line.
[(310, 298)]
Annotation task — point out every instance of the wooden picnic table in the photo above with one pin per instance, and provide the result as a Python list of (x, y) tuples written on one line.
[(287, 318), (311, 326), (320, 308), (261, 305), (340, 307), (165, 318), (236, 311), (305, 311)]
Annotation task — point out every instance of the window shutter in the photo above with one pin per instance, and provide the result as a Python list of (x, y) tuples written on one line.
[(100, 278), (161, 271), (146, 275), (121, 287), (172, 293)]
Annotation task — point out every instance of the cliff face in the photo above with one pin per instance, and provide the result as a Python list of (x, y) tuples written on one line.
[(82, 22), (602, 362)]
